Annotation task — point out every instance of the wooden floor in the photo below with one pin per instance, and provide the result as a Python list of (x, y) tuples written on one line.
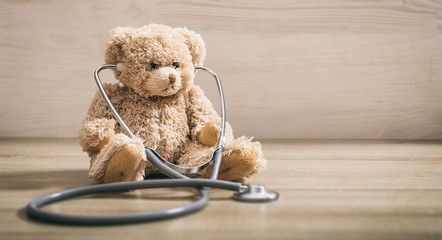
[(329, 190)]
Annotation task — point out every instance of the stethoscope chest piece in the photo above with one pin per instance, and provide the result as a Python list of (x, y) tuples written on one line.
[(256, 193)]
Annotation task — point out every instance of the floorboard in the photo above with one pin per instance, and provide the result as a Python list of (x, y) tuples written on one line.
[(329, 190)]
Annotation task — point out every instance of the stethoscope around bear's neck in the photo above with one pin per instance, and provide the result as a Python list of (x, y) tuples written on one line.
[(151, 153), (246, 193)]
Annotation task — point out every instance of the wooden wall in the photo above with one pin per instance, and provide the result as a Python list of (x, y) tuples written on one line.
[(291, 69)]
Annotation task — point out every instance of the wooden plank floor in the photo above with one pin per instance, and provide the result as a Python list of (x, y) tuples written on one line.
[(329, 190)]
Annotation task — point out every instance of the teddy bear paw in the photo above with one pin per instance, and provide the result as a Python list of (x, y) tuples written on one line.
[(125, 165), (209, 135)]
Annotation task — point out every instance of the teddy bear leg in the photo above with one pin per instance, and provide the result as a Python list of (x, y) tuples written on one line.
[(242, 159), (195, 154), (124, 165), (122, 159)]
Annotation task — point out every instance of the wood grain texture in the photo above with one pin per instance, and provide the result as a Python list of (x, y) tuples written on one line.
[(329, 190), (291, 69)]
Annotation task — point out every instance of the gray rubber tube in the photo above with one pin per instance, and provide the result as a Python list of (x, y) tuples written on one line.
[(34, 206)]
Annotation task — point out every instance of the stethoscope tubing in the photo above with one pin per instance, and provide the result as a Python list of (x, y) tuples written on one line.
[(34, 207)]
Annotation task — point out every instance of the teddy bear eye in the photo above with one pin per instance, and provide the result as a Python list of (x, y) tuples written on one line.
[(153, 66), (175, 65)]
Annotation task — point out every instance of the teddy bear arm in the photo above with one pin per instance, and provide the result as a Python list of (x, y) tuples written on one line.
[(205, 123), (97, 129), (201, 113), (94, 134)]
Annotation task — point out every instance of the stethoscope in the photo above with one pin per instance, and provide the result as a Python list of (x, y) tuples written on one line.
[(245, 193)]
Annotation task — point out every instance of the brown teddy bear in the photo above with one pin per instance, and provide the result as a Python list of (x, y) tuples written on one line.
[(158, 101)]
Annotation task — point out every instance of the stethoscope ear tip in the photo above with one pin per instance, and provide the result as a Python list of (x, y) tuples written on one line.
[(119, 67), (256, 193)]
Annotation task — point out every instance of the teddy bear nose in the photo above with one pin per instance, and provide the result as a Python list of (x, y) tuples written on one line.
[(172, 78)]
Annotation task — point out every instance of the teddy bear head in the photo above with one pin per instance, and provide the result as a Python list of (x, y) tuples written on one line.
[(155, 60)]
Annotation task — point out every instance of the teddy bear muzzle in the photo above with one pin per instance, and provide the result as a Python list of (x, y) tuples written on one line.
[(164, 81)]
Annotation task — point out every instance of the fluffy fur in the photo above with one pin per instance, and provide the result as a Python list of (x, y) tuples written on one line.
[(158, 101)]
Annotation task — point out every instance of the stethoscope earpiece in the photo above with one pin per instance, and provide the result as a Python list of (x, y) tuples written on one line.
[(119, 67)]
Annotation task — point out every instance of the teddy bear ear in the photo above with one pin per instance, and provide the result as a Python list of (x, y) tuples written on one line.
[(196, 45), (113, 52)]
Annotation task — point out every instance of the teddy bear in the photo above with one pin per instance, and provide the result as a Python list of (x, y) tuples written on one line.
[(157, 99)]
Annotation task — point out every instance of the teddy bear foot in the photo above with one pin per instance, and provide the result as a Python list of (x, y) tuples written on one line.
[(239, 164), (124, 166)]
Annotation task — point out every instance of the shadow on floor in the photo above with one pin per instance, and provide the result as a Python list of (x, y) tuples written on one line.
[(44, 179)]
